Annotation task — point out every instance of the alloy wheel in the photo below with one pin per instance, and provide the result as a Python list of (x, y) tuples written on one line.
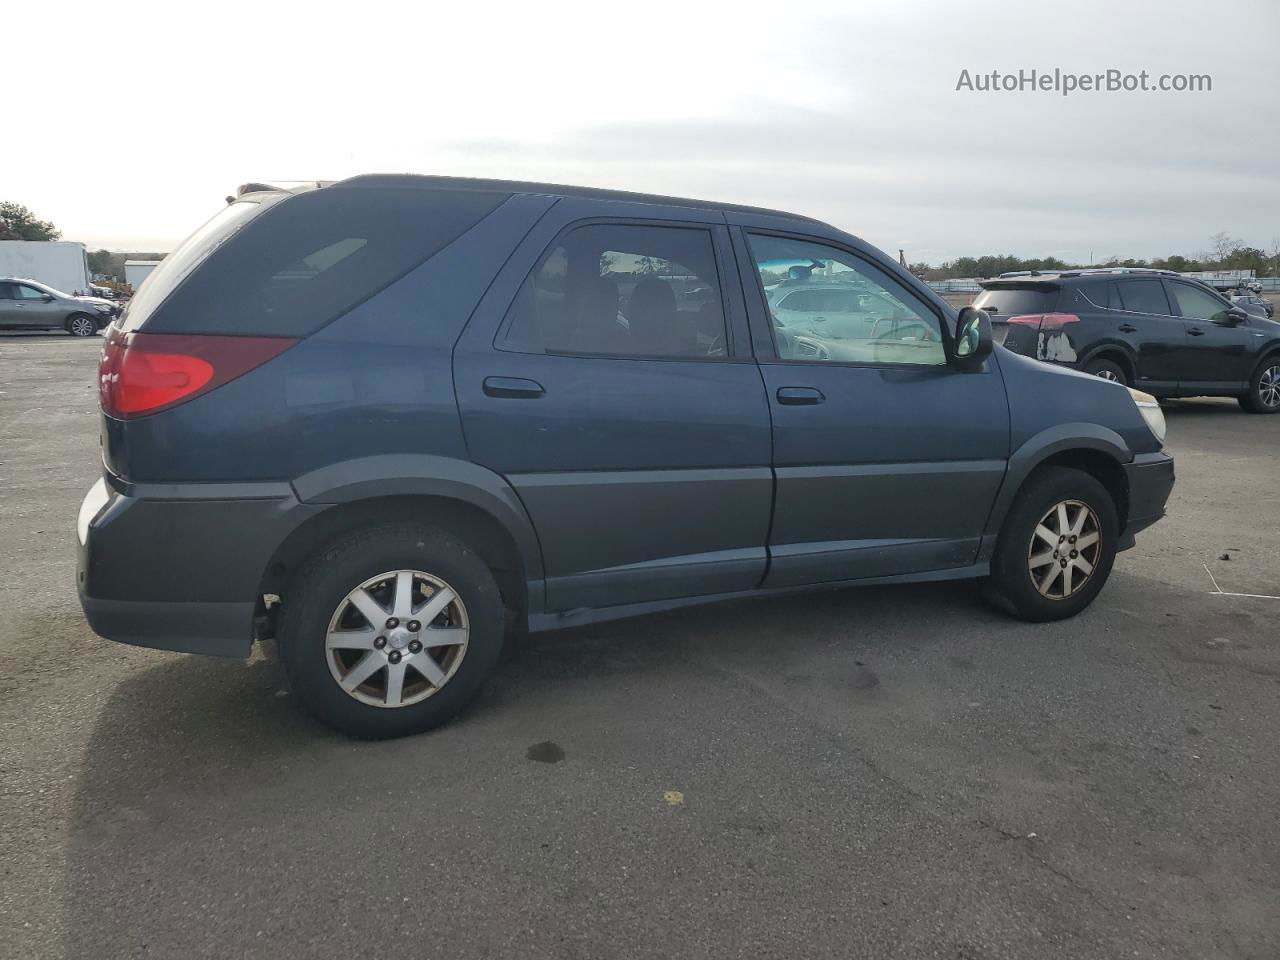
[(1108, 375), (397, 638), (82, 327), (1269, 386), (1064, 549)]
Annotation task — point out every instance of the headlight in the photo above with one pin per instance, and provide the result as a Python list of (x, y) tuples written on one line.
[(103, 307), (1149, 407)]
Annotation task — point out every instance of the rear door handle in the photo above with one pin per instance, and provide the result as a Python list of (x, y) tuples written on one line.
[(1126, 328), (513, 387), (1195, 332), (800, 396)]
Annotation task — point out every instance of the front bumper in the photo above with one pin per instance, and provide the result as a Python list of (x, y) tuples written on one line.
[(179, 566), (1150, 477)]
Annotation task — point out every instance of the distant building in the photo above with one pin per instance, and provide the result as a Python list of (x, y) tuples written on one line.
[(135, 271)]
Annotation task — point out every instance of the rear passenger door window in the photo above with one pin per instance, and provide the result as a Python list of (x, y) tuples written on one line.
[(622, 290), (1144, 296)]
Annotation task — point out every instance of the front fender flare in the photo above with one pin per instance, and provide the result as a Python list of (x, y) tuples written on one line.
[(1035, 451)]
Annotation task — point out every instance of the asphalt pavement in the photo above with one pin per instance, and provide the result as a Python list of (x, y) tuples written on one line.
[(884, 772)]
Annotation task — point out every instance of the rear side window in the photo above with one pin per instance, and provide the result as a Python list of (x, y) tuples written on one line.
[(308, 259), (1143, 296), (1097, 295), (622, 290), (1012, 301)]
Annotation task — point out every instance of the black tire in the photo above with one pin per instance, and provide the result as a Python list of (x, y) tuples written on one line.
[(1011, 579), (81, 325), (1108, 370), (319, 589), (1262, 397)]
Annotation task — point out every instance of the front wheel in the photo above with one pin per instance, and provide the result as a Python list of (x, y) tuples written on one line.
[(1264, 388), (81, 325), (390, 631), (1057, 545)]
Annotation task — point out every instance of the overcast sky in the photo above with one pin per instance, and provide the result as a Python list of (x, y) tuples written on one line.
[(130, 122)]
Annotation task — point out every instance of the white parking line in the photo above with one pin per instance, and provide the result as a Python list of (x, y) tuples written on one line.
[(1217, 591)]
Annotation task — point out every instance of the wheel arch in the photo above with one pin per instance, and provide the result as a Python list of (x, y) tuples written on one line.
[(468, 501), (1119, 353), (1089, 447)]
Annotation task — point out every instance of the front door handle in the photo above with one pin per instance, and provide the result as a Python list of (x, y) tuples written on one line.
[(1195, 332), (1126, 328), (800, 396), (513, 387)]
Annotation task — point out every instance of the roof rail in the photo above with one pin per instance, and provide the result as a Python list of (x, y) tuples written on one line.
[(1018, 273), (1099, 271)]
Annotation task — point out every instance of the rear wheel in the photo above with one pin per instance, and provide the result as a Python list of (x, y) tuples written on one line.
[(1264, 388), (390, 631), (81, 325), (1107, 370), (1057, 546)]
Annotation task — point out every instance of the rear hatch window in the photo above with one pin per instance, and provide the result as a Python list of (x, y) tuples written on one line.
[(1005, 300), (286, 267), (1009, 301)]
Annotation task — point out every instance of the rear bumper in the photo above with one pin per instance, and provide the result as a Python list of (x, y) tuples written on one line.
[(214, 629), (179, 566), (1151, 479)]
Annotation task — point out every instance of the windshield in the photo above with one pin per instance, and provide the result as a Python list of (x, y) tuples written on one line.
[(174, 268)]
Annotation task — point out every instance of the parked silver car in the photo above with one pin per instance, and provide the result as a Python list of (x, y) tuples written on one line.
[(31, 304)]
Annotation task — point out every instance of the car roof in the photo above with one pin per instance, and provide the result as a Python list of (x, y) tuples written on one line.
[(422, 181)]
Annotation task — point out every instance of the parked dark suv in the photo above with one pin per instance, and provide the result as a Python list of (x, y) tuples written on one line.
[(391, 420), (1169, 335)]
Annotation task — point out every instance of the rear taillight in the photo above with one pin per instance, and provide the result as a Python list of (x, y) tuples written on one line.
[(143, 373), (1044, 321)]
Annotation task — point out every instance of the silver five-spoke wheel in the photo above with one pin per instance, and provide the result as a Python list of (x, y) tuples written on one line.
[(397, 638), (1064, 549), (1269, 386)]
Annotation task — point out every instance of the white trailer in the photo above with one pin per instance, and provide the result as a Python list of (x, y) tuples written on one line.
[(135, 271), (61, 264)]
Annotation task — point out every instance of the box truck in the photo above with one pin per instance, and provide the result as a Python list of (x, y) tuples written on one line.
[(60, 264)]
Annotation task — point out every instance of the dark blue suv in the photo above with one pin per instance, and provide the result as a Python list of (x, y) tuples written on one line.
[(392, 420)]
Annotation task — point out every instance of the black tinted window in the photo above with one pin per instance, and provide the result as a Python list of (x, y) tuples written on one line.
[(1098, 294), (1196, 303), (1143, 296), (1012, 301), (310, 258), (620, 290)]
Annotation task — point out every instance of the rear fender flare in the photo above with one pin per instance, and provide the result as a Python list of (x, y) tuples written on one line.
[(393, 475), (1111, 347)]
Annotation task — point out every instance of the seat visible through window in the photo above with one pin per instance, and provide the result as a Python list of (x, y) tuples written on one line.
[(622, 290)]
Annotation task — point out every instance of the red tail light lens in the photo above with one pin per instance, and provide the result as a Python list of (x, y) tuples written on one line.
[(143, 373), (1044, 321)]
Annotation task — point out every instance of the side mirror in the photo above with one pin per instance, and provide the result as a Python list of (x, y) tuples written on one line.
[(973, 339), (1232, 316), (47, 298)]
